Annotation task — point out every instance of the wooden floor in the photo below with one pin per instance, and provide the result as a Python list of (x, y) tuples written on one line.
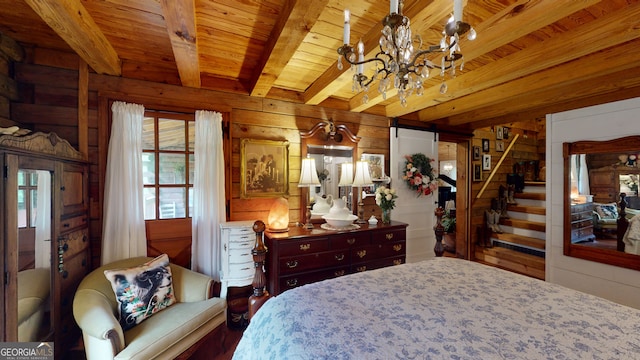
[(231, 341)]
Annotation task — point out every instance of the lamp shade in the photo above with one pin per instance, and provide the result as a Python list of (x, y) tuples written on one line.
[(346, 174), (308, 174), (363, 177)]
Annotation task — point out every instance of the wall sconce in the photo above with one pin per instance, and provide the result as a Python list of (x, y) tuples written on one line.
[(308, 177), (278, 218), (362, 178)]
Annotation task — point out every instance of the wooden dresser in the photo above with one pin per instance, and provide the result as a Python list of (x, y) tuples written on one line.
[(300, 256), (582, 222)]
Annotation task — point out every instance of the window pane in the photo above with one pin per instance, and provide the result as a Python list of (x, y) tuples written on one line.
[(172, 169), (33, 179), (172, 203), (22, 208), (171, 135), (149, 168), (192, 134), (190, 202), (192, 166), (149, 203), (21, 178), (148, 134)]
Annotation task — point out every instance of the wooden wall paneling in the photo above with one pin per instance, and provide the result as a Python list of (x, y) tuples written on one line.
[(83, 108)]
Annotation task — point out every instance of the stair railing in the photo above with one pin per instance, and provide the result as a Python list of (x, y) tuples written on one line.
[(495, 169)]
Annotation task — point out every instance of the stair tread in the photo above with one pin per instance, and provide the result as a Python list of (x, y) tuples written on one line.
[(538, 210), (524, 224), (521, 240), (530, 196), (511, 260)]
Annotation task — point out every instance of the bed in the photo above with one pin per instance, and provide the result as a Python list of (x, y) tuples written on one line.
[(436, 309)]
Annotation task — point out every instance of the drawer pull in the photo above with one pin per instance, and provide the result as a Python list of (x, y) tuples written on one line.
[(361, 268), (397, 247), (397, 261), (292, 263), (292, 282), (339, 257), (389, 236), (351, 241), (361, 253), (305, 247), (339, 273)]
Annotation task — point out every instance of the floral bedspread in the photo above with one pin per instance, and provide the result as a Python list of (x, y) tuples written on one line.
[(440, 309)]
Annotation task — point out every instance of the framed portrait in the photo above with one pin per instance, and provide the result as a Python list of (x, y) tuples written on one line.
[(499, 133), (485, 145), (476, 153), (477, 172), (486, 162), (500, 145), (376, 165), (505, 133), (264, 168)]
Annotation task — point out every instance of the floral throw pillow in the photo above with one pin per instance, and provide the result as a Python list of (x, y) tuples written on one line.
[(607, 211), (142, 291)]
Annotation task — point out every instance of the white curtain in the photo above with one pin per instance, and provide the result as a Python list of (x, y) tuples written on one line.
[(208, 194), (123, 233), (43, 220), (579, 175)]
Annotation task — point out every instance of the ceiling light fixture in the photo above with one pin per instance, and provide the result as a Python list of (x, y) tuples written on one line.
[(401, 54)]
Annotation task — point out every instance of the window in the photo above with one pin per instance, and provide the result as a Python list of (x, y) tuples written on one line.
[(27, 198), (167, 161)]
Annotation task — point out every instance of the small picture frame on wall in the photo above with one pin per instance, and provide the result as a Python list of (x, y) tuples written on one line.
[(505, 133), (476, 153), (376, 165), (500, 146), (485, 145), (499, 133), (486, 162), (477, 172), (264, 168)]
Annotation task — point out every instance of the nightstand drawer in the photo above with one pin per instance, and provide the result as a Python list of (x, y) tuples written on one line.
[(240, 256), (241, 270)]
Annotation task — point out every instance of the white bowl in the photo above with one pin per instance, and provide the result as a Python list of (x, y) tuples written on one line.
[(339, 222)]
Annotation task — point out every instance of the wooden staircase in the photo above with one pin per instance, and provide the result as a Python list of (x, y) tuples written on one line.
[(521, 246)]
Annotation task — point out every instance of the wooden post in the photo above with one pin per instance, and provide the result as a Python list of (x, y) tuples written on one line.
[(260, 293)]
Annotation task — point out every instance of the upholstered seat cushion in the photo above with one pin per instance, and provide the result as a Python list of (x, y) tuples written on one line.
[(160, 332)]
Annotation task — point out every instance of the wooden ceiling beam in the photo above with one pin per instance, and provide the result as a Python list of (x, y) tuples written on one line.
[(591, 37), (71, 21), (180, 16), (588, 67), (295, 22)]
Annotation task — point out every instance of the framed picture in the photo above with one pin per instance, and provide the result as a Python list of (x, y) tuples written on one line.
[(264, 168), (500, 145), (505, 133), (486, 162), (376, 165), (499, 133), (485, 145), (476, 153), (477, 172)]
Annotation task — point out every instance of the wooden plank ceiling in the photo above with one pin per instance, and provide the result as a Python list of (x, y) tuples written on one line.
[(530, 56)]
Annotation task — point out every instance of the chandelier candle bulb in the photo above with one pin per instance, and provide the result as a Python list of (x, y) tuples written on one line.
[(347, 27), (457, 10), (360, 56)]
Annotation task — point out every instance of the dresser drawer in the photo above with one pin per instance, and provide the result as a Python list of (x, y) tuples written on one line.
[(292, 281), (581, 232), (304, 246), (240, 256), (73, 271), (301, 263), (341, 241), (389, 235), (71, 223), (376, 264), (245, 270)]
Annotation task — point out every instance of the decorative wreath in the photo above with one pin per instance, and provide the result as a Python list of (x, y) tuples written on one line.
[(419, 174)]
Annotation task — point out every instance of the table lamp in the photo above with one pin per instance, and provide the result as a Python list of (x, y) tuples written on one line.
[(346, 178), (308, 177), (362, 178)]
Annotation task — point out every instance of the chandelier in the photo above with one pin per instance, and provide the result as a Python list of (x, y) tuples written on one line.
[(402, 55)]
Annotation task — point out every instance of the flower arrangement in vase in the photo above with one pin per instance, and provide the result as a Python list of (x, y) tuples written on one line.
[(386, 199)]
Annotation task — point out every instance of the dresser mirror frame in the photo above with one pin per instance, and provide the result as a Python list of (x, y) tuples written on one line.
[(625, 145), (326, 135)]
